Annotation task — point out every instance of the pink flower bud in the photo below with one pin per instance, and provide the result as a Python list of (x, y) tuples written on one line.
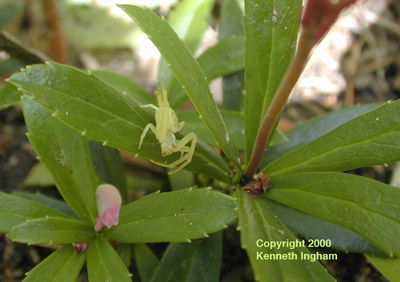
[(321, 14), (108, 205)]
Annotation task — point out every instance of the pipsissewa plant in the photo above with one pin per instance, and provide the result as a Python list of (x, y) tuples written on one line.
[(310, 197)]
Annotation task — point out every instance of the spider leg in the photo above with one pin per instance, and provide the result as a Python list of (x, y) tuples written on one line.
[(175, 163), (145, 130), (184, 161), (180, 126), (181, 144), (182, 150), (154, 107), (171, 165), (181, 147)]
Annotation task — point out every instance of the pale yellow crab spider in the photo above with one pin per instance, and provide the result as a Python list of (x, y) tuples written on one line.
[(167, 125)]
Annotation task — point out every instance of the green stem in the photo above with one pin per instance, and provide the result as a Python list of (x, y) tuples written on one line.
[(237, 177), (17, 50)]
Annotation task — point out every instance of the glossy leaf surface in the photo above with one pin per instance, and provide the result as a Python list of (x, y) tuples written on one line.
[(258, 222), (196, 261), (188, 72), (312, 227), (63, 265), (369, 139), (102, 113), (52, 230), (125, 84), (66, 154), (271, 35), (189, 20), (313, 129), (104, 263), (368, 207), (234, 122), (15, 210), (225, 57), (56, 204), (174, 216)]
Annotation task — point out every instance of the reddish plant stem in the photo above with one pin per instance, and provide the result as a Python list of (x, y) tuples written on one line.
[(56, 38), (306, 43)]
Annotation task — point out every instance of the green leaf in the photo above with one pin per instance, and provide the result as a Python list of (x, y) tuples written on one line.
[(174, 216), (146, 184), (226, 57), (63, 265), (369, 208), (90, 27), (115, 119), (389, 267), (233, 89), (369, 139), (108, 167), (9, 96), (123, 83), (66, 154), (39, 175), (234, 121), (125, 253), (271, 35), (258, 223), (314, 128), (189, 20), (197, 261), (181, 180), (52, 230), (278, 137), (230, 25), (15, 210), (58, 205), (146, 262), (312, 227), (10, 65), (154, 4), (104, 264), (187, 71)]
